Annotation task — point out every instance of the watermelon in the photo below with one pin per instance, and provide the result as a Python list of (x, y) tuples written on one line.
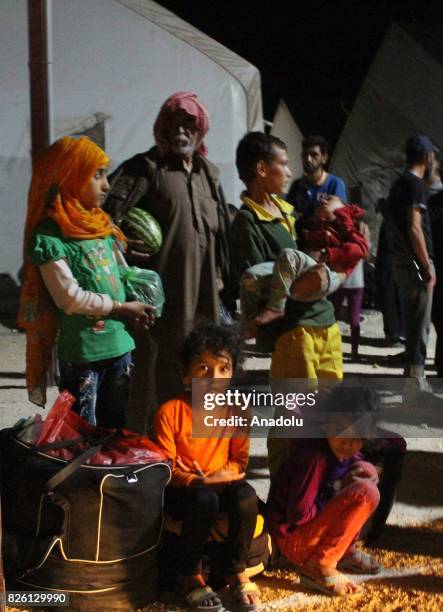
[(140, 225)]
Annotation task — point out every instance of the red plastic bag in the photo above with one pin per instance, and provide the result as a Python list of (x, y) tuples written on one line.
[(131, 448), (125, 448), (62, 423)]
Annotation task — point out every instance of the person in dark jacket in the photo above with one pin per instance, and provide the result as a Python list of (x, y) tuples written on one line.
[(413, 257)]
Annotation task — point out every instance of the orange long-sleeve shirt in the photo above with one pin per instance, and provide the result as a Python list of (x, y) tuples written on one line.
[(174, 437)]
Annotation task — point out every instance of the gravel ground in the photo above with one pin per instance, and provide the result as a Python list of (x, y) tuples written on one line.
[(411, 579)]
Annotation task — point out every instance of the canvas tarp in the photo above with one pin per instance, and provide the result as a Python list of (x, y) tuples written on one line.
[(285, 128), (114, 63), (401, 95)]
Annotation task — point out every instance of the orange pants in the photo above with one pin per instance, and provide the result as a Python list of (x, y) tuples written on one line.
[(328, 536)]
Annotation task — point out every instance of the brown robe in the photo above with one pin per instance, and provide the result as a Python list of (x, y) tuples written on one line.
[(187, 207)]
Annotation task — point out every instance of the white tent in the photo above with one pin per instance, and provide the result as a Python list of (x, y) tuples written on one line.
[(401, 95), (285, 128), (115, 62)]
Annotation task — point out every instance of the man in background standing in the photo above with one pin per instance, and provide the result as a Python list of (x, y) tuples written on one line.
[(305, 191), (412, 260)]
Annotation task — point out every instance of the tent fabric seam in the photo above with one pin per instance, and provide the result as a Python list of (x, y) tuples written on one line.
[(164, 12)]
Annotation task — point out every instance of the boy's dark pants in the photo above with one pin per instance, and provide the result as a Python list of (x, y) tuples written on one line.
[(198, 506)]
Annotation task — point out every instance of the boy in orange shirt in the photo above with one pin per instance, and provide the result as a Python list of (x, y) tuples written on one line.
[(208, 476)]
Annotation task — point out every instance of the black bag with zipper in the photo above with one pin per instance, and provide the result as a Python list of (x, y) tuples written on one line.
[(91, 531)]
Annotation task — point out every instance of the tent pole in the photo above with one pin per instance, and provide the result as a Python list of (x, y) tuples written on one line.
[(40, 74)]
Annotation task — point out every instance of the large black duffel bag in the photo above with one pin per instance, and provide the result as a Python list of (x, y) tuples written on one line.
[(91, 531)]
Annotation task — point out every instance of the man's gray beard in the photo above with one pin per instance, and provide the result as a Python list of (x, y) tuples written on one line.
[(182, 151)]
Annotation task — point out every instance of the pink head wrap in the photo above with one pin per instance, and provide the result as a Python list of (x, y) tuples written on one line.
[(187, 101)]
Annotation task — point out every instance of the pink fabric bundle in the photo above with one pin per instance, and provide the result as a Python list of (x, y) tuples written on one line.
[(187, 101)]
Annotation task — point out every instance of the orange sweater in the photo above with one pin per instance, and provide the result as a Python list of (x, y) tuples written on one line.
[(174, 437)]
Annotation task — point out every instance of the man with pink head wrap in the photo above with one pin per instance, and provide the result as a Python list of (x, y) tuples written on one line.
[(175, 182), (179, 102)]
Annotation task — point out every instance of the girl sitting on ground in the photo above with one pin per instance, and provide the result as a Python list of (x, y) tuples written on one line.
[(208, 476), (324, 493)]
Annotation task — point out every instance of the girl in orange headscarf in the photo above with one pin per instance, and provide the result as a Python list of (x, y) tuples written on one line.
[(72, 287)]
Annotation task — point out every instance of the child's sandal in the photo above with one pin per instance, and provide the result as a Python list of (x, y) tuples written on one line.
[(240, 592), (358, 562), (196, 597)]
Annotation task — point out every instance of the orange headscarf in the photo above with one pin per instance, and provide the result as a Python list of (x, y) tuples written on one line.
[(60, 174)]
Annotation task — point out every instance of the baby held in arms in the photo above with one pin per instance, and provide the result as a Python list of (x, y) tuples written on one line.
[(331, 243)]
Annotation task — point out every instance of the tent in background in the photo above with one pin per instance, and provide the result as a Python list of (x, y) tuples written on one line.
[(401, 95), (285, 128), (115, 62)]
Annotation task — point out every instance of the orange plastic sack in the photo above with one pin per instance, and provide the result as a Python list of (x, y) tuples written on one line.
[(124, 448)]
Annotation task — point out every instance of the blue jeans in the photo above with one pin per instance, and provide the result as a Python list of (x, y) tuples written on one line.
[(417, 305), (101, 389)]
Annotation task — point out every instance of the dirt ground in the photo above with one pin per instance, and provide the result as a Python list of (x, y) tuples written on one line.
[(411, 548), (411, 579)]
